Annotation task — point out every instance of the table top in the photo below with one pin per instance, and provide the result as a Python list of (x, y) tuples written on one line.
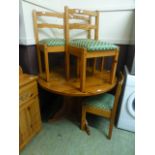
[(95, 84)]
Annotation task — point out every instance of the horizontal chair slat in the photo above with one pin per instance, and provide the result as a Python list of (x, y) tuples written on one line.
[(100, 54), (78, 17), (75, 50), (82, 26), (99, 112), (84, 12), (59, 15), (50, 26)]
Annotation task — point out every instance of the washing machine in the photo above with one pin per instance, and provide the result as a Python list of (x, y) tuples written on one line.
[(126, 117)]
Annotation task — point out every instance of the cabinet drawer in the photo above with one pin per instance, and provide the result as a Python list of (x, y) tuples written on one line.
[(27, 92)]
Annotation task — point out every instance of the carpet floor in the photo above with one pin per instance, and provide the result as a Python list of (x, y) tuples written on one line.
[(64, 137)]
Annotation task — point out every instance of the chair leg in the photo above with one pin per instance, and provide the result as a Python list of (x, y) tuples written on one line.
[(83, 119), (94, 65), (78, 67), (39, 59), (114, 66), (87, 128), (83, 62), (47, 66), (84, 123), (67, 64), (102, 64), (110, 129)]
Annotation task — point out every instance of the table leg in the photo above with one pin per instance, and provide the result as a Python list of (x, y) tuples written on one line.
[(59, 114), (71, 109)]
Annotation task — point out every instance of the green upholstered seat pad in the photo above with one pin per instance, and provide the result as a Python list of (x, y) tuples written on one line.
[(102, 101), (53, 42), (92, 45)]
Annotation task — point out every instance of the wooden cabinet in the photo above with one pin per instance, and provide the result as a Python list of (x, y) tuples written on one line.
[(29, 111)]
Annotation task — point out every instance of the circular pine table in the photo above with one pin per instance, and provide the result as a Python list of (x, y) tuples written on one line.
[(95, 84)]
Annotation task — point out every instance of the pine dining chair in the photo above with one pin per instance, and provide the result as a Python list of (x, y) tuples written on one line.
[(49, 45), (104, 105), (87, 48)]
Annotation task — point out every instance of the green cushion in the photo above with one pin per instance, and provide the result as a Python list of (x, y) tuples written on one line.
[(92, 45), (53, 42), (102, 101)]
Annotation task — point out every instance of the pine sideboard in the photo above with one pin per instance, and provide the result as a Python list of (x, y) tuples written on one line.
[(29, 111)]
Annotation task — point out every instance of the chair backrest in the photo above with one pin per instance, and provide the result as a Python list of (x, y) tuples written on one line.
[(44, 24), (87, 24), (118, 93)]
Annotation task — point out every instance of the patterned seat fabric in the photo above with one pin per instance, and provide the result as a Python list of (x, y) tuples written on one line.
[(53, 42), (93, 45), (102, 101)]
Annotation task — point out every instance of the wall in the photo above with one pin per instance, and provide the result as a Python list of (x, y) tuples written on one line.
[(22, 32), (116, 17)]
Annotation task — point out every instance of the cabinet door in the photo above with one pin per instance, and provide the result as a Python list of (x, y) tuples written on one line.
[(30, 121), (24, 125), (20, 138), (33, 115)]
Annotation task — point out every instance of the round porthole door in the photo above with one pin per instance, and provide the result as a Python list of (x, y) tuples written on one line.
[(131, 104)]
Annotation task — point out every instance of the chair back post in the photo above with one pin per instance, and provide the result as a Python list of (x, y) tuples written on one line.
[(89, 31), (36, 36), (117, 94), (97, 26), (66, 24)]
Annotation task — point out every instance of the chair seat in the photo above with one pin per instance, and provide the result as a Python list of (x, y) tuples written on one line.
[(92, 45), (103, 101), (53, 42)]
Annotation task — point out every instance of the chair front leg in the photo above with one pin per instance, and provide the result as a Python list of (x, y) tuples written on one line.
[(110, 128), (102, 64), (78, 67), (87, 128), (94, 65), (46, 64), (83, 119), (114, 67), (39, 59), (67, 63), (83, 61)]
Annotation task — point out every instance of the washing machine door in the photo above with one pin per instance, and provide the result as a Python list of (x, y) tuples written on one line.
[(131, 105)]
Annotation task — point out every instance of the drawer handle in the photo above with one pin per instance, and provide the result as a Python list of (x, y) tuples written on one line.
[(31, 95), (26, 96)]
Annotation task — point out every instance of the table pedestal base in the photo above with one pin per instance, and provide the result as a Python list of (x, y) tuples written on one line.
[(70, 109)]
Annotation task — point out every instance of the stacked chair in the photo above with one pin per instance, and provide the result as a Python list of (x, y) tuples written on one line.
[(49, 45), (87, 48), (82, 49)]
